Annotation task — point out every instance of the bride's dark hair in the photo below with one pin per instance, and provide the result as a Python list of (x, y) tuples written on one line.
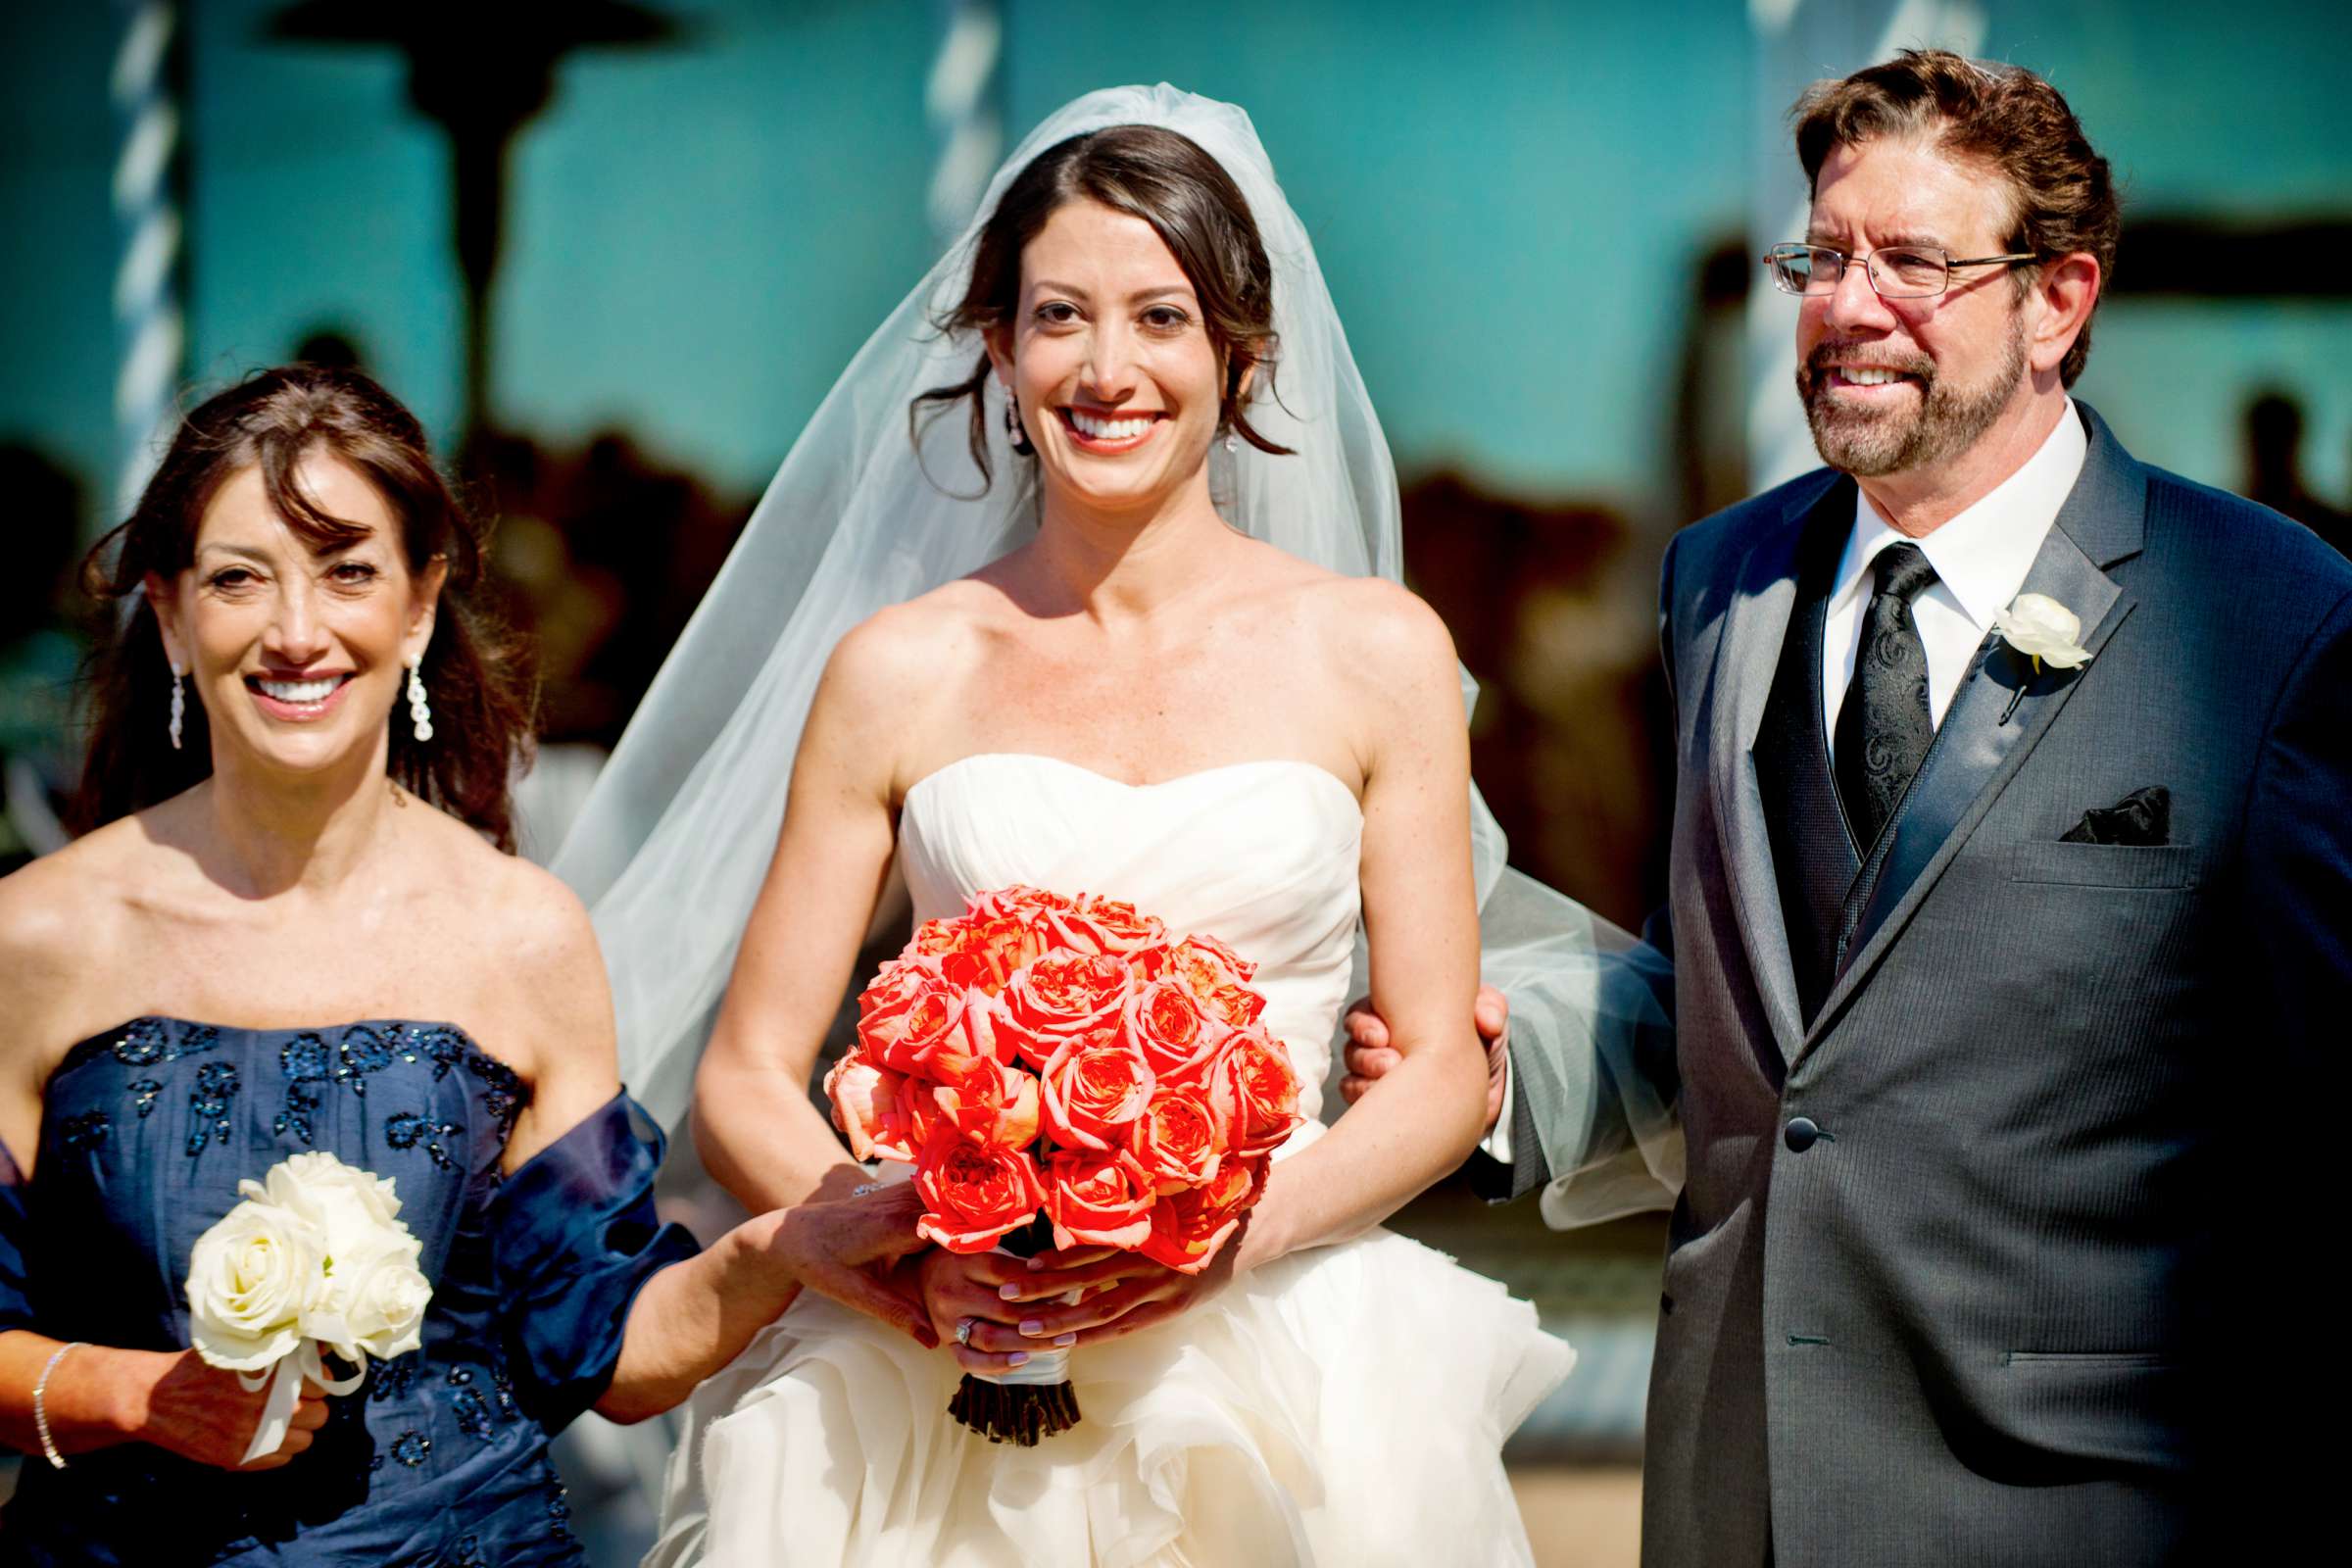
[(483, 690), (1198, 213)]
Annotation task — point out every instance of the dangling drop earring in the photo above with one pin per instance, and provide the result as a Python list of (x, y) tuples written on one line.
[(420, 713), (180, 706), (1233, 443), (1013, 429)]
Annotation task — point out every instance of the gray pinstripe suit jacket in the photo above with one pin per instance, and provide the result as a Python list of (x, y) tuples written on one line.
[(2029, 1297)]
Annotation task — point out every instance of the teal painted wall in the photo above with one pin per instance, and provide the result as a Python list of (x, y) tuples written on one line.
[(1508, 198)]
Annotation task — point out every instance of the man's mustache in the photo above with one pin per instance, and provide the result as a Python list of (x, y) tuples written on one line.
[(1829, 356)]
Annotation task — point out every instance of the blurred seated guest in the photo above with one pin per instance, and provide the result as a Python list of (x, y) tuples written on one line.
[(293, 926), (2275, 468), (38, 653)]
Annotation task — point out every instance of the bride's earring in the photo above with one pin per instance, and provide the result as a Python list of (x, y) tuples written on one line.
[(1013, 430), (1233, 443), (180, 705), (420, 713)]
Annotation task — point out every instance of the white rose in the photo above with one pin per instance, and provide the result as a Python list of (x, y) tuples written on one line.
[(2042, 628), (348, 1203), (250, 1279), (375, 1299)]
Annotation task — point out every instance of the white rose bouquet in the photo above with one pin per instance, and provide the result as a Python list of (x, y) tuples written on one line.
[(316, 1254)]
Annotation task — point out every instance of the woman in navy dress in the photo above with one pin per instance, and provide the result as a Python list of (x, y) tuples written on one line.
[(292, 927)]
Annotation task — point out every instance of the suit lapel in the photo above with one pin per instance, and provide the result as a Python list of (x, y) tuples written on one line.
[(1976, 752), (1747, 654)]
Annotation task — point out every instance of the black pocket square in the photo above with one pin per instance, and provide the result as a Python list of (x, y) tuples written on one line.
[(2143, 818)]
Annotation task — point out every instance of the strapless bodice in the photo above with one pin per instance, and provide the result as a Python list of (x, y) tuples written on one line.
[(1261, 855)]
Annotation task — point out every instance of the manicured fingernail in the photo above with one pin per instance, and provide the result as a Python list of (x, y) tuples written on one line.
[(1065, 1338), (1033, 1326), (1008, 1292), (1016, 1358)]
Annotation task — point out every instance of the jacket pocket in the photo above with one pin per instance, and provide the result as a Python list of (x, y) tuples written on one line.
[(2106, 866), (2122, 1407)]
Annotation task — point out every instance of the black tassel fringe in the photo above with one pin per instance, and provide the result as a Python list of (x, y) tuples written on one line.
[(1015, 1413)]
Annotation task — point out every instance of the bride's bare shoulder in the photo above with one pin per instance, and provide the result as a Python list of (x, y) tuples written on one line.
[(903, 647), (1381, 630)]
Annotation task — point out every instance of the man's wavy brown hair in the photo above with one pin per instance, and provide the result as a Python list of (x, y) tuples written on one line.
[(2003, 118)]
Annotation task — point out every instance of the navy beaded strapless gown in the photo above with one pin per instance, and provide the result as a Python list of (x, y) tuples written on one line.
[(441, 1458)]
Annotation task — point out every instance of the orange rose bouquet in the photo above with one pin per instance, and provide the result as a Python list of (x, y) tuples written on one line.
[(1060, 1073)]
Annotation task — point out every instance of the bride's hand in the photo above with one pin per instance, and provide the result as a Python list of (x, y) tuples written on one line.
[(972, 1287), (1125, 1292), (841, 1247)]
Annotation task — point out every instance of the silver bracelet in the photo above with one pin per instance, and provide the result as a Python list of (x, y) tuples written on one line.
[(40, 1412)]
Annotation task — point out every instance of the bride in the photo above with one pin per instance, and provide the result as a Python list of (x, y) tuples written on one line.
[(1151, 650)]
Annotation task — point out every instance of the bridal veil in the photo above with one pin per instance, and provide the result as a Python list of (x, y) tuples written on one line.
[(672, 843)]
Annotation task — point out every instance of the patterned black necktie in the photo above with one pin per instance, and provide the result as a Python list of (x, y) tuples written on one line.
[(1884, 729)]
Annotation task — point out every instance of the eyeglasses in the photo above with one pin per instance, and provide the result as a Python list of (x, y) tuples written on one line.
[(1896, 271)]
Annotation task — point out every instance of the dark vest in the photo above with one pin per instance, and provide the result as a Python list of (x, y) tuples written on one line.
[(1813, 856)]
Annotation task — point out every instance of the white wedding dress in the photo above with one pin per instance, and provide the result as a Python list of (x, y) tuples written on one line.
[(1342, 1405)]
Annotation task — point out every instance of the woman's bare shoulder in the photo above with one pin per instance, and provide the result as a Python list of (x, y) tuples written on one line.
[(79, 893), (63, 921), (512, 941), (532, 924)]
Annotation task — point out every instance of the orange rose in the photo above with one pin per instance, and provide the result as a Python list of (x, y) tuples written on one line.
[(1180, 1139), (1096, 1200), (1105, 925), (1168, 1026), (976, 952), (873, 1106), (931, 939), (1063, 996), (995, 1106), (975, 1196), (973, 1046), (1092, 1091), (1188, 1227), (1218, 979), (1254, 1084), (1019, 902), (908, 1008)]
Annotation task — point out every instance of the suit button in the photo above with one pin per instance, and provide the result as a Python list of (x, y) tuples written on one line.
[(1801, 1133)]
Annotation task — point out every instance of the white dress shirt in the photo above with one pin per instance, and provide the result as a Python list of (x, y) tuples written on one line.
[(1981, 558)]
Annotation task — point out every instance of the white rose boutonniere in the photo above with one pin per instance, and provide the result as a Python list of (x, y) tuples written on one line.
[(315, 1254), (2046, 632)]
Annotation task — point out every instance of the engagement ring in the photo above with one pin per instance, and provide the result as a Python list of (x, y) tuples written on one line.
[(963, 1331)]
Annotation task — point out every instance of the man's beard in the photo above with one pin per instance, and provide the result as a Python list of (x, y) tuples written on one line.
[(1868, 443)]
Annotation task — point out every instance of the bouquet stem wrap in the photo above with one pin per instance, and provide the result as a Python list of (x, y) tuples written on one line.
[(1033, 1400), (285, 1390)]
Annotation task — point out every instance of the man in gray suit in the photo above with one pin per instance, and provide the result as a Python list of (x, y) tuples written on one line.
[(2010, 850)]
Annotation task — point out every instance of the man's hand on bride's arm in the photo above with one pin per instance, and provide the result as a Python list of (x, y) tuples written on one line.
[(1369, 1056)]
